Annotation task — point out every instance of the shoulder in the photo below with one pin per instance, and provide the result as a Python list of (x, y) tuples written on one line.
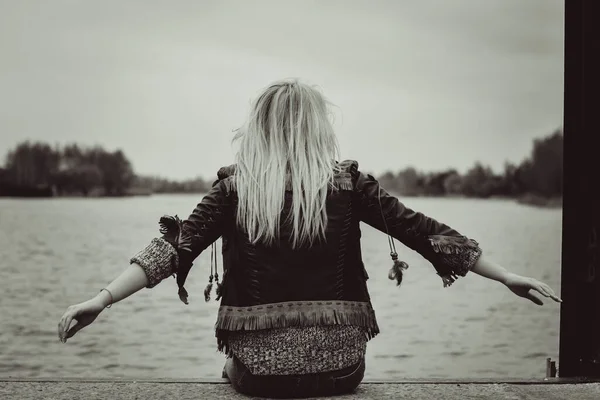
[(346, 170), (226, 171), (225, 177), (344, 166), (348, 166), (346, 174)]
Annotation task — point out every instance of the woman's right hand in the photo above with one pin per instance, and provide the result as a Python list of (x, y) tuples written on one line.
[(83, 313)]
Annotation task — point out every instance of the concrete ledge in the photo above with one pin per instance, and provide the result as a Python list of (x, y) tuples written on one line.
[(50, 388), (410, 381)]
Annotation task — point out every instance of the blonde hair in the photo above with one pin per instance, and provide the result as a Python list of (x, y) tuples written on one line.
[(288, 139)]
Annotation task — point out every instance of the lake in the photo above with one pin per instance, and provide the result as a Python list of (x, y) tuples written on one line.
[(58, 252)]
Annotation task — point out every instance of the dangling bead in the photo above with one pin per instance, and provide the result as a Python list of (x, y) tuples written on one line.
[(397, 269), (208, 288)]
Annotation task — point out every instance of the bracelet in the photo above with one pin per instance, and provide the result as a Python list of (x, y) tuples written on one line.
[(111, 297)]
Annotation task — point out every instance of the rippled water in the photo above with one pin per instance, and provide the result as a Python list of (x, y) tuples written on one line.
[(57, 252)]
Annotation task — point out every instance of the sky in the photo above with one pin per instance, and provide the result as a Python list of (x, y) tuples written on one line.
[(433, 84)]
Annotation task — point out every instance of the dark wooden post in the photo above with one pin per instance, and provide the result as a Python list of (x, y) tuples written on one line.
[(579, 353)]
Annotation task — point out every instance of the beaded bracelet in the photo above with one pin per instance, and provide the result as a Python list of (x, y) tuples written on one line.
[(111, 297)]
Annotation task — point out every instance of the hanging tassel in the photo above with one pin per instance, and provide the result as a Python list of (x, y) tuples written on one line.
[(396, 272), (398, 268), (208, 288)]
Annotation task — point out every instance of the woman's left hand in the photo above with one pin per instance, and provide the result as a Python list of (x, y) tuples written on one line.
[(523, 286)]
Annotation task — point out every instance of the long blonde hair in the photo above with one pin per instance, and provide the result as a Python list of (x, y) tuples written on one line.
[(287, 138)]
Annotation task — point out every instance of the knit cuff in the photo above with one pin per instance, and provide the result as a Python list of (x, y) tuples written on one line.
[(158, 260), (456, 255)]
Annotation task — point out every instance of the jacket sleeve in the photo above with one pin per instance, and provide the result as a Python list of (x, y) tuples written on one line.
[(183, 241), (450, 253)]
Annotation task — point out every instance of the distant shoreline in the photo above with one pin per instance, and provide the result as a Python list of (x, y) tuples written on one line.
[(30, 193), (528, 199)]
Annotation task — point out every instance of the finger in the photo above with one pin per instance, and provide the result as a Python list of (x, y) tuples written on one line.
[(553, 295), (60, 327), (540, 289), (66, 324), (533, 298), (61, 324), (548, 292), (74, 329)]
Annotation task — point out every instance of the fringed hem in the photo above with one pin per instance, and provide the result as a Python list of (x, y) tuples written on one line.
[(294, 314), (458, 255), (452, 244)]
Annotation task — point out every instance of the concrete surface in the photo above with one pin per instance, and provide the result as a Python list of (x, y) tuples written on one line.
[(550, 389)]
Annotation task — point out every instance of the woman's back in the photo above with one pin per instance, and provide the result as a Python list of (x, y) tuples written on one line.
[(295, 312)]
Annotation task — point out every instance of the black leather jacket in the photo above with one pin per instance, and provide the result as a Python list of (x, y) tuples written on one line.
[(277, 286)]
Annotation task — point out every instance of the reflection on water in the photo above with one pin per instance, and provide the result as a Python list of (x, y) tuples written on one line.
[(57, 252)]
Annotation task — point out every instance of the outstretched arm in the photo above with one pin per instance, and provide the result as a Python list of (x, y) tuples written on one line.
[(160, 259), (130, 281), (450, 253), (490, 270)]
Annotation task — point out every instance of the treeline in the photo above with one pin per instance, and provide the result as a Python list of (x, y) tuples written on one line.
[(539, 175), (73, 170), (39, 169), (162, 185), (67, 170)]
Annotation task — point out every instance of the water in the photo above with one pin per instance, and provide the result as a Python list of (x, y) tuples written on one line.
[(57, 252)]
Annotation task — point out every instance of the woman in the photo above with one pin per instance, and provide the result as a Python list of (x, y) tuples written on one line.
[(295, 313)]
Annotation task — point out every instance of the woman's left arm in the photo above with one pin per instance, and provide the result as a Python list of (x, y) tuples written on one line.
[(450, 253), (182, 242), (522, 286)]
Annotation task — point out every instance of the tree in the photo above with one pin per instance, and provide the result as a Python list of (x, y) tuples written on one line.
[(510, 185), (86, 177), (409, 182), (541, 173), (547, 165), (480, 181), (388, 181), (31, 164), (453, 184), (117, 173), (434, 182)]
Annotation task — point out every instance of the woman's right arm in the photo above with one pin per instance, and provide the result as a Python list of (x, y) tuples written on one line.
[(131, 280), (172, 253), (450, 253)]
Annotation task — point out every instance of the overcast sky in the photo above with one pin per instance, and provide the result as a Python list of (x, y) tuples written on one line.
[(428, 83)]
